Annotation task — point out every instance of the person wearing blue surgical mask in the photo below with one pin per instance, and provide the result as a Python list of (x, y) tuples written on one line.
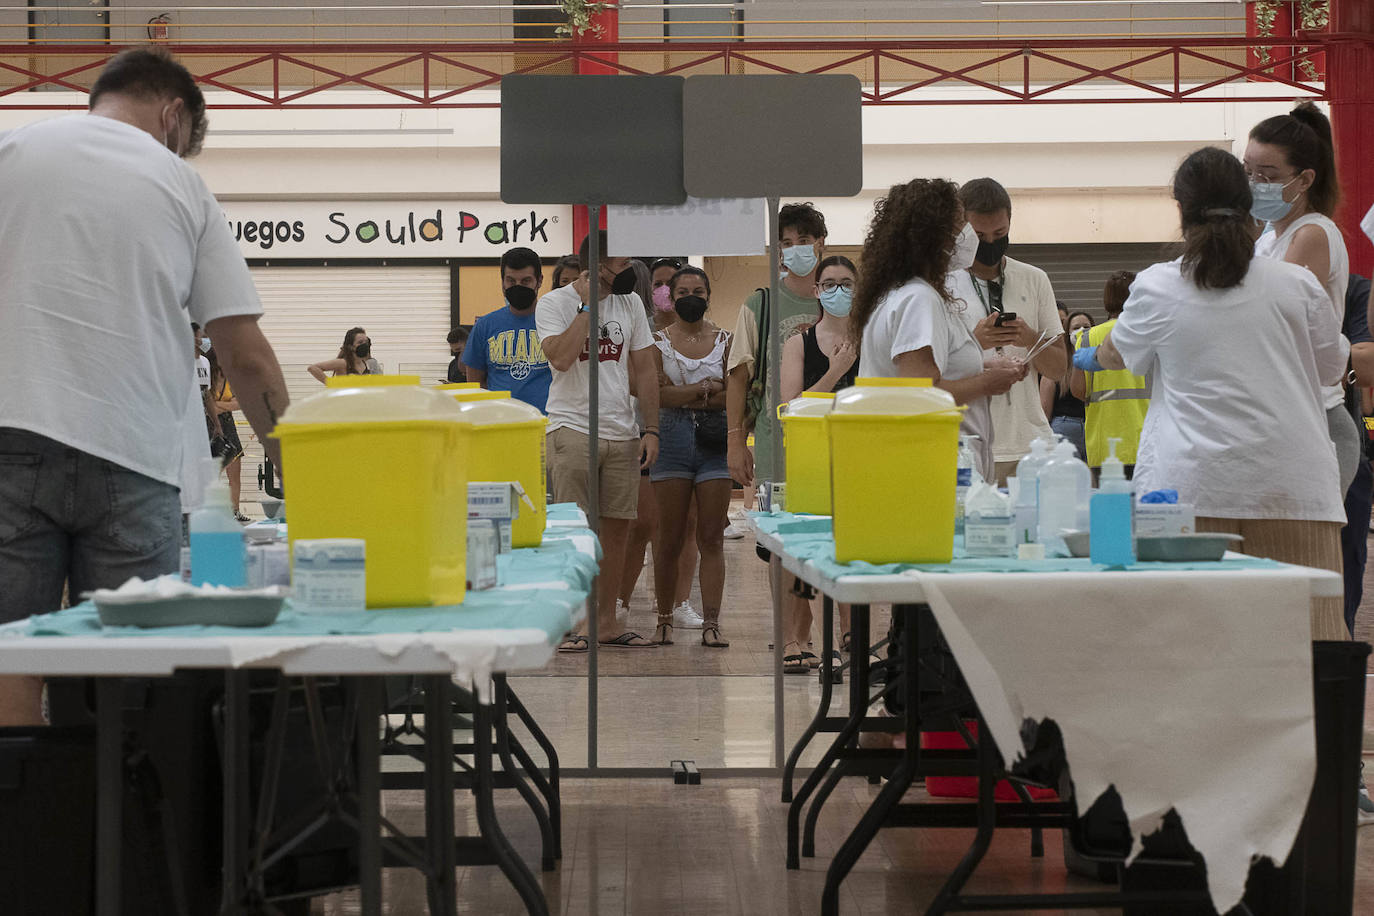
[(1291, 166), (823, 357)]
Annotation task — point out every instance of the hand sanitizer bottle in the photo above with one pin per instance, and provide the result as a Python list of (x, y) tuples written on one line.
[(1110, 512), (218, 554)]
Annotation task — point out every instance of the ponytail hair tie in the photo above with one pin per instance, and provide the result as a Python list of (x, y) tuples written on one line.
[(1222, 213)]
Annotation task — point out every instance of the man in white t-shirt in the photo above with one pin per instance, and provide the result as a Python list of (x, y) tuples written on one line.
[(626, 351), (998, 284), (110, 246)]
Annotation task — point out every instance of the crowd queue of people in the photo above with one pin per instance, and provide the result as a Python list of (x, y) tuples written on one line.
[(1222, 372)]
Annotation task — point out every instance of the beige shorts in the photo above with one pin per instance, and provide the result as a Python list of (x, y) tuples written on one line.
[(618, 479)]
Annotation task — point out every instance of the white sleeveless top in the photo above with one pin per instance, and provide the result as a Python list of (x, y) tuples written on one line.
[(684, 370), (1274, 245)]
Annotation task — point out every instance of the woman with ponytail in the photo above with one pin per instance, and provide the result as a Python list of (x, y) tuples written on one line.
[(1292, 170), (1238, 349)]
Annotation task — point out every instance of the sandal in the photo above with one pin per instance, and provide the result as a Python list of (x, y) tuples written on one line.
[(844, 642), (663, 634), (627, 640), (574, 644), (793, 664), (811, 659), (711, 638)]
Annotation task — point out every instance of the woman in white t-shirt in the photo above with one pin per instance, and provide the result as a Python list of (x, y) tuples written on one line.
[(906, 322), (691, 466), (1238, 348), (1292, 170)]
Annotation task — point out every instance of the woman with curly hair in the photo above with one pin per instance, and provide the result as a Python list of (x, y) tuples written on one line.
[(906, 323)]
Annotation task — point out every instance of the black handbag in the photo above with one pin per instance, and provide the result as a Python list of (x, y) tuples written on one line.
[(709, 426)]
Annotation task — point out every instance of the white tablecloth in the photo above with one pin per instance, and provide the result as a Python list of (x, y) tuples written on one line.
[(1190, 691)]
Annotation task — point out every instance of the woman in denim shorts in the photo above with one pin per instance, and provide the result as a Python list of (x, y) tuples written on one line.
[(693, 355)]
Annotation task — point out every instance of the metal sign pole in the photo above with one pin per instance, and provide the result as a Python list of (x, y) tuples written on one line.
[(776, 472), (593, 450)]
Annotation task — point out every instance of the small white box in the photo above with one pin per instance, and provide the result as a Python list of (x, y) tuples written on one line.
[(483, 546), (329, 575), (497, 502), (495, 499), (1154, 520)]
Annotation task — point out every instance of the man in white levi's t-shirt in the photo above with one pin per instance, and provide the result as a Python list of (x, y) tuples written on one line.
[(110, 246), (625, 351)]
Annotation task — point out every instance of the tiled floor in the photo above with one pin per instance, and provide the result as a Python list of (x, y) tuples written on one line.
[(645, 846)]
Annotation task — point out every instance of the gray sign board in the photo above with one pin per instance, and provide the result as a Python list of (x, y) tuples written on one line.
[(591, 139), (773, 136)]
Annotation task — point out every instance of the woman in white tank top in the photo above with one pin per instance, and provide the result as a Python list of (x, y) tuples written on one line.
[(693, 354), (1292, 170)]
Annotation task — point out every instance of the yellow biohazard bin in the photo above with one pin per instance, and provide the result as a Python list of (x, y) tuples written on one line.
[(387, 465), (370, 381), (807, 450), (894, 446), (508, 444)]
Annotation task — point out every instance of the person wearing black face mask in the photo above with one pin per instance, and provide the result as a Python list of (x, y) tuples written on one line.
[(503, 352), (623, 348), (692, 355), (994, 289), (355, 358)]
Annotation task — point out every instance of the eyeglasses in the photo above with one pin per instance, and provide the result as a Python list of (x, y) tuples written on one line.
[(674, 263), (829, 286)]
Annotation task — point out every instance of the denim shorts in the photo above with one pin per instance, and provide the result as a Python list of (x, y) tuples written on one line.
[(69, 517), (680, 456)]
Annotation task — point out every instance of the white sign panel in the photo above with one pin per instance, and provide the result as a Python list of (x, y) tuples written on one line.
[(396, 229), (717, 226)]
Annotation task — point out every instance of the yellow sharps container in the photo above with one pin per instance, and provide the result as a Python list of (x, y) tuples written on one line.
[(894, 446), (386, 464), (370, 381), (508, 444), (808, 452)]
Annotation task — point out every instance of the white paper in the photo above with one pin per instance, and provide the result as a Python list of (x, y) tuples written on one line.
[(1188, 692), (1367, 224), (701, 226)]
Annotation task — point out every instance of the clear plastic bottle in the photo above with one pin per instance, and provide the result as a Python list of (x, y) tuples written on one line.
[(218, 554), (1064, 486), (966, 471), (1027, 499)]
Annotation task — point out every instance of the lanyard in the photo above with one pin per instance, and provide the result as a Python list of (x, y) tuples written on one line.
[(996, 305)]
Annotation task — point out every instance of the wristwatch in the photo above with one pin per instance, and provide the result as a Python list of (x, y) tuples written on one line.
[(582, 308)]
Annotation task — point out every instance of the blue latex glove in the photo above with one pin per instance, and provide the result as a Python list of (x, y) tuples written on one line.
[(1161, 497), (1085, 358)]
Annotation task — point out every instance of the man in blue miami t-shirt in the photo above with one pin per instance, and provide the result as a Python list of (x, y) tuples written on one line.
[(503, 351)]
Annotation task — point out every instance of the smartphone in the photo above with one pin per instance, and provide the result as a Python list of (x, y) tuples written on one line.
[(1003, 318)]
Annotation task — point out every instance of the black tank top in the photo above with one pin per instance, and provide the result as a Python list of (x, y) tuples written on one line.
[(1065, 404), (816, 364)]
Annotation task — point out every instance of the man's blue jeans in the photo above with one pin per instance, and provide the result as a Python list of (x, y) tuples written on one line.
[(68, 517)]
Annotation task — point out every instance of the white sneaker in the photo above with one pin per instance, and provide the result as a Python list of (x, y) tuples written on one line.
[(685, 617), (734, 532), (738, 515)]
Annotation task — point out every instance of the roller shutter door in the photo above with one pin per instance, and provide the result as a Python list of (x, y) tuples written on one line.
[(1078, 272), (306, 311)]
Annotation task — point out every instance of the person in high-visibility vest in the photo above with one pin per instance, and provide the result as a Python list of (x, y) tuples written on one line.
[(1116, 401)]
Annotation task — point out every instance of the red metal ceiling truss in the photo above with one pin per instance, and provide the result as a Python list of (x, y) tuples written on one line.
[(381, 71)]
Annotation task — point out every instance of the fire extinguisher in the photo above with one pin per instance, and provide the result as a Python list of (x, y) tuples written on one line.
[(157, 27)]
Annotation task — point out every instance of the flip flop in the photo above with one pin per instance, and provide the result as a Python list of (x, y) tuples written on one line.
[(627, 641), (574, 644), (794, 664)]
